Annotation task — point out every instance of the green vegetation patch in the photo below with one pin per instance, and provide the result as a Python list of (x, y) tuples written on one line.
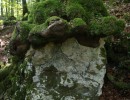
[(42, 10), (107, 26), (22, 30), (78, 22)]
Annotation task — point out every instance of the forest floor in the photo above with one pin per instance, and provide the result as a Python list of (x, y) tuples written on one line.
[(5, 35), (110, 92)]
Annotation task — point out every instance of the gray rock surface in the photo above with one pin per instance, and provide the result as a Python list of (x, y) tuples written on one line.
[(67, 71)]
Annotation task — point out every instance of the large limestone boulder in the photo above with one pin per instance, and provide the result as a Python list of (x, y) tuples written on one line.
[(66, 71)]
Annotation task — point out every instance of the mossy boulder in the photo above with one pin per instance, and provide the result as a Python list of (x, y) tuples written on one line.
[(19, 43), (68, 10), (22, 30), (54, 28)]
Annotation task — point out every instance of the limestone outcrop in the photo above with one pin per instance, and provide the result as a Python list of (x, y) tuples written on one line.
[(67, 71)]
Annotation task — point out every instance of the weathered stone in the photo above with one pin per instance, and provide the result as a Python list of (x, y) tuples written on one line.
[(67, 71)]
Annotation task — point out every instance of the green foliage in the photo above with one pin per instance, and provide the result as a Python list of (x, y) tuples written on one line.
[(9, 22), (127, 17), (106, 26), (1, 22)]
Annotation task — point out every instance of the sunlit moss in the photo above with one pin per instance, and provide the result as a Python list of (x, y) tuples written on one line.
[(22, 30), (78, 22), (42, 10)]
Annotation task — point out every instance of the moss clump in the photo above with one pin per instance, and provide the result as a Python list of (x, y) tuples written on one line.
[(106, 26), (22, 30), (78, 22), (52, 19), (88, 9), (53, 29), (38, 29), (103, 52), (75, 10), (68, 10), (42, 10)]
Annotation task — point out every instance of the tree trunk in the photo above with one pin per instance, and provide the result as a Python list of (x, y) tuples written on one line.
[(25, 9), (2, 8), (12, 7), (6, 9)]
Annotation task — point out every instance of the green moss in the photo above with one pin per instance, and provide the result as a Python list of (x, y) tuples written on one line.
[(38, 29), (103, 52), (99, 67), (92, 9), (78, 22), (126, 16), (42, 10), (53, 18), (75, 10), (22, 30), (106, 26)]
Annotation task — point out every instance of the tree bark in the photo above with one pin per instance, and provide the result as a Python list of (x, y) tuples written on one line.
[(24, 5), (12, 7), (2, 8)]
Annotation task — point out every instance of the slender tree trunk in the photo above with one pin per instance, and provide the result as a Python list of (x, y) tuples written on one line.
[(6, 9), (9, 7), (17, 8), (25, 9), (12, 7), (2, 8)]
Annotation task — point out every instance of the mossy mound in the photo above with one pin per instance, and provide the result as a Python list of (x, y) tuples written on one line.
[(43, 10), (68, 10), (19, 43), (54, 28), (22, 30)]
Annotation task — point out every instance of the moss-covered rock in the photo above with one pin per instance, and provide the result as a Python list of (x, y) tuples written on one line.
[(42, 10), (53, 29), (22, 30)]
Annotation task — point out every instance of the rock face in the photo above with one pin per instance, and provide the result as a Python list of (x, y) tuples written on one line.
[(67, 71)]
